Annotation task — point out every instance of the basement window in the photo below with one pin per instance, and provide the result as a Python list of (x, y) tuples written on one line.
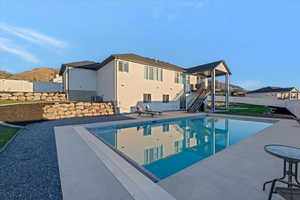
[(147, 98), (165, 98)]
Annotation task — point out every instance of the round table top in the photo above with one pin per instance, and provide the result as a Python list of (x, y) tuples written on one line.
[(284, 152)]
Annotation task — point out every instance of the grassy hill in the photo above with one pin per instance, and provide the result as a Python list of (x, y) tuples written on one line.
[(4, 74), (37, 74)]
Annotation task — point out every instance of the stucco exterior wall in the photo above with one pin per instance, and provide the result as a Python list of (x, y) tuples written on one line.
[(106, 82), (80, 84), (132, 85), (82, 79)]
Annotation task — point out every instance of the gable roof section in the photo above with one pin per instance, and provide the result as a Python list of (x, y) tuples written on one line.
[(145, 61), (82, 65), (142, 60), (207, 67), (272, 89)]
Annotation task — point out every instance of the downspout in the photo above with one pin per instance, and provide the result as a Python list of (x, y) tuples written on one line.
[(68, 78), (116, 85)]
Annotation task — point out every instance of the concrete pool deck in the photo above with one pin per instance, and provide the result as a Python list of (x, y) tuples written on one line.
[(237, 172)]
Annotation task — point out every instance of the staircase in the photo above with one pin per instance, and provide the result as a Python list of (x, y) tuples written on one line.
[(198, 101)]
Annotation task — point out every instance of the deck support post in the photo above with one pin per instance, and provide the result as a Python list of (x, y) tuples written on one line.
[(227, 91), (213, 90)]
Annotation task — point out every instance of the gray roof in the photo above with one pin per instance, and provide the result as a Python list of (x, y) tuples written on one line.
[(272, 89), (208, 67), (142, 60), (82, 64)]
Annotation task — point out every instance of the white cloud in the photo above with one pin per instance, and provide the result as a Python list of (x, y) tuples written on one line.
[(250, 84), (33, 36), (8, 46)]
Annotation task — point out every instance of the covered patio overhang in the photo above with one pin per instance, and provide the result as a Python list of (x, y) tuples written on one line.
[(212, 70)]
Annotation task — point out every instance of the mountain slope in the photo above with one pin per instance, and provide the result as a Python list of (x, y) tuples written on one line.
[(4, 74), (221, 85), (37, 74)]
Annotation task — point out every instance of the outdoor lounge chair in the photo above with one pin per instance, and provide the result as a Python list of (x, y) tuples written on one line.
[(147, 111)]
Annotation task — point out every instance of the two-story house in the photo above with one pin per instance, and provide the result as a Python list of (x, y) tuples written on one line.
[(129, 79)]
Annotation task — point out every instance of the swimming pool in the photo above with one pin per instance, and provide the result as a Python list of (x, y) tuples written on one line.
[(162, 148)]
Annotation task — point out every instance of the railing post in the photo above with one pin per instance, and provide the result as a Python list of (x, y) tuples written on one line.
[(227, 91), (213, 90)]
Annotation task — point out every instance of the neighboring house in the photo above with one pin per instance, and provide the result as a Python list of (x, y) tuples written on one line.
[(57, 79), (275, 92), (129, 79)]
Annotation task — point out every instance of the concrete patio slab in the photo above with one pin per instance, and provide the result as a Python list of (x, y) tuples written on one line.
[(237, 172)]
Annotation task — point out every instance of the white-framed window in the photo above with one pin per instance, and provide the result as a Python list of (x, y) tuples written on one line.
[(166, 98), (123, 66), (146, 72), (147, 98), (153, 73), (177, 77)]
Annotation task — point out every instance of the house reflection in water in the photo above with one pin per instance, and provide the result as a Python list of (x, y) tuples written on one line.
[(165, 148)]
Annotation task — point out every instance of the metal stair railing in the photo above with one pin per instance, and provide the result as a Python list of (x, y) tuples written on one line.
[(196, 105)]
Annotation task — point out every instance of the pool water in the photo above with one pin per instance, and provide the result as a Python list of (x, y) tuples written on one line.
[(168, 146)]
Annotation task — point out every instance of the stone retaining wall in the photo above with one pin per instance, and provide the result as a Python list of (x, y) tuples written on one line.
[(48, 111), (77, 109), (33, 96)]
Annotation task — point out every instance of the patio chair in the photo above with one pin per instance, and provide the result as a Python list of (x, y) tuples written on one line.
[(147, 111)]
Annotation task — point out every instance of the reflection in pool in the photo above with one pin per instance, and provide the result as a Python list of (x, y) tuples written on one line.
[(166, 147)]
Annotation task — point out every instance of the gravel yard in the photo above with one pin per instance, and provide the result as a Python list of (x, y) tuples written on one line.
[(29, 168)]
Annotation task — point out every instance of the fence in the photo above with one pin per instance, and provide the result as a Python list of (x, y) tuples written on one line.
[(27, 86), (292, 105)]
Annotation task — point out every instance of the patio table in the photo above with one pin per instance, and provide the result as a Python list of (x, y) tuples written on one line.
[(291, 158)]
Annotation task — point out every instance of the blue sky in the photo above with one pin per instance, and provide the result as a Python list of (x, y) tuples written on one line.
[(258, 39)]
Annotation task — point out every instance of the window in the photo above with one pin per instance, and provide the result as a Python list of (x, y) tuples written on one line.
[(146, 72), (161, 75), (147, 98), (151, 70), (165, 98), (123, 66), (153, 73), (177, 77)]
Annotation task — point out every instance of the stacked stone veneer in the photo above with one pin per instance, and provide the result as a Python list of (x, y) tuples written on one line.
[(33, 96), (77, 109)]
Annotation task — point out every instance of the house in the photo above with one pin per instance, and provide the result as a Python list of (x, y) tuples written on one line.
[(57, 79), (130, 79), (275, 92)]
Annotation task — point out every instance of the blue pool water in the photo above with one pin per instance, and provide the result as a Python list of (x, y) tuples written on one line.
[(166, 147)]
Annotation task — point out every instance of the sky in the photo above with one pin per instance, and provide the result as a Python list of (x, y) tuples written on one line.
[(259, 40)]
